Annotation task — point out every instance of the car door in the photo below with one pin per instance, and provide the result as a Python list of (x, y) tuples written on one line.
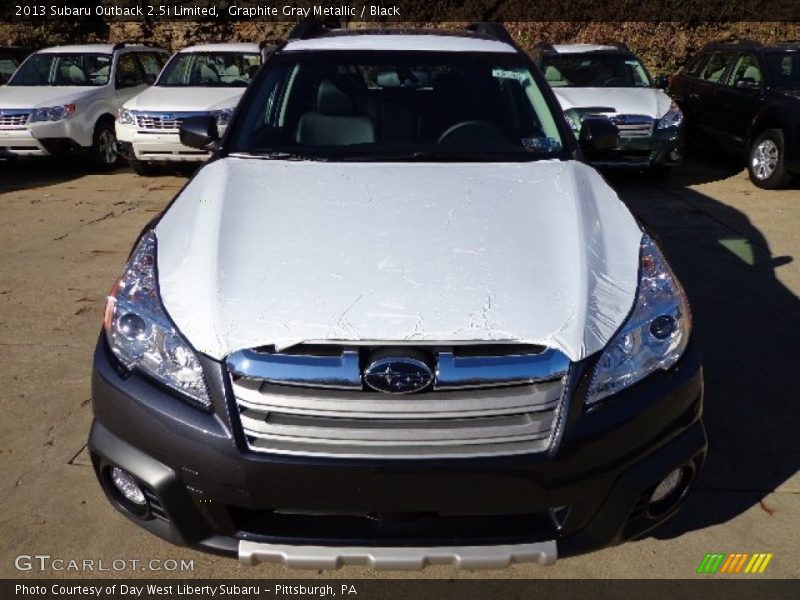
[(128, 78), (740, 96), (684, 87), (710, 84)]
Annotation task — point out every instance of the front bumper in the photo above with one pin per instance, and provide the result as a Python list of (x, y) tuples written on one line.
[(206, 490), (155, 146), (664, 148)]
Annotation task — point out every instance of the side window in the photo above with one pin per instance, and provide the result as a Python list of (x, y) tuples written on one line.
[(128, 72), (694, 66), (150, 65), (716, 66), (746, 72)]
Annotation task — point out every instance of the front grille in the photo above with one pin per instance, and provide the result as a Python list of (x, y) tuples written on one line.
[(163, 121), (14, 118), (633, 126), (466, 412)]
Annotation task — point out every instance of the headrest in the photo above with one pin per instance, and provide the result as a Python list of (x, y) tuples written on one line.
[(333, 101)]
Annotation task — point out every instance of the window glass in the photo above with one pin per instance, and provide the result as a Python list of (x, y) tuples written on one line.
[(398, 105), (595, 69), (784, 69), (694, 66), (210, 69), (716, 66), (128, 73), (69, 69), (8, 64), (746, 67), (151, 64)]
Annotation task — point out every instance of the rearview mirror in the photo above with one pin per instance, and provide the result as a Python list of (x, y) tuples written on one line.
[(598, 134), (200, 132)]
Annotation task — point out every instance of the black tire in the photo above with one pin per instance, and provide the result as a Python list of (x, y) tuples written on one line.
[(104, 152), (765, 161), (141, 167)]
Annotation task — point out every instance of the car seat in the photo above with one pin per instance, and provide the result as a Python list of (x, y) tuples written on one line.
[(338, 119)]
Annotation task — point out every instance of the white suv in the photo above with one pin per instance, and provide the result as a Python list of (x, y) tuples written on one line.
[(64, 99), (199, 80), (609, 80)]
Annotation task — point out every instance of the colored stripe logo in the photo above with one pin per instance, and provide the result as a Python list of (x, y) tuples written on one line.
[(741, 562)]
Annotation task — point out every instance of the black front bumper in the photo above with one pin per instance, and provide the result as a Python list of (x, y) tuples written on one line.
[(207, 490), (664, 148)]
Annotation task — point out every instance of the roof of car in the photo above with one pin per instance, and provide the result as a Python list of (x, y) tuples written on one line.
[(97, 48), (223, 47), (579, 48), (410, 40)]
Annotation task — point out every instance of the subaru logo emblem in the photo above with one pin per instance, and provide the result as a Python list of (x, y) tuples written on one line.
[(393, 375), (167, 117)]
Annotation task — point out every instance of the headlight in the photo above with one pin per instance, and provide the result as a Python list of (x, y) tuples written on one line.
[(126, 117), (655, 334), (673, 118), (223, 117), (52, 113), (141, 334)]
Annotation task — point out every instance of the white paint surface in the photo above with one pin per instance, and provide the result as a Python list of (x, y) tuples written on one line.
[(624, 101), (257, 252), (412, 42)]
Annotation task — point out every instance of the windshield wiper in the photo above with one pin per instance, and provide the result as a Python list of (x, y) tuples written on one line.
[(277, 155)]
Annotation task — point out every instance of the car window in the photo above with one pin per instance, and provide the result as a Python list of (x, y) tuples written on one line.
[(63, 69), (594, 69), (784, 69), (150, 63), (694, 66), (716, 66), (210, 69), (398, 105), (128, 72), (746, 68), (8, 64)]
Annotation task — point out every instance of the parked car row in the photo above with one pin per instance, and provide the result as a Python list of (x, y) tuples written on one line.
[(97, 99)]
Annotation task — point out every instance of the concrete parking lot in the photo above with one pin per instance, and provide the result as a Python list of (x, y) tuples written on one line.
[(65, 234)]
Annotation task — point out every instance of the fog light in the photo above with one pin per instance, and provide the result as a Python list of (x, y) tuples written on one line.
[(127, 486), (667, 486)]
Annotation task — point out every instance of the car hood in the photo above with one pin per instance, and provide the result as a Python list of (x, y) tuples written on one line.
[(260, 252), (35, 96), (189, 99), (625, 101)]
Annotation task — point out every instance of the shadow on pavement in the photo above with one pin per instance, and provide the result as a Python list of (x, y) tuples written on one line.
[(748, 326), (30, 173)]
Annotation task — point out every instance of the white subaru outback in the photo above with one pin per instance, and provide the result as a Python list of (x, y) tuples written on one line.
[(206, 79), (397, 321), (63, 100)]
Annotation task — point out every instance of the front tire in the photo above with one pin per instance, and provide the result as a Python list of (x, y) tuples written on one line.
[(104, 147), (766, 161), (141, 167)]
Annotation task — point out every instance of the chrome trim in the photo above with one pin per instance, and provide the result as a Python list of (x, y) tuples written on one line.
[(397, 558), (340, 372), (633, 126), (14, 117), (147, 120), (464, 372)]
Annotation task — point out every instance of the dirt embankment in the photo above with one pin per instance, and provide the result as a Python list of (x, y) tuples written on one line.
[(664, 46)]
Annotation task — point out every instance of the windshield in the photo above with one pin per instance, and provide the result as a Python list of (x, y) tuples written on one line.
[(397, 106), (784, 69), (210, 69), (64, 69), (594, 69)]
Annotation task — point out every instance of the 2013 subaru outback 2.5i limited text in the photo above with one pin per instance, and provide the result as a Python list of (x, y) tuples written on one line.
[(396, 321)]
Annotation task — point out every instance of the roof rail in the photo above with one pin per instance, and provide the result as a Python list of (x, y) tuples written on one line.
[(617, 45), (310, 29), (491, 29), (121, 45)]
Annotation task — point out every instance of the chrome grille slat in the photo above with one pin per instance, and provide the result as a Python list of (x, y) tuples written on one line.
[(14, 117), (317, 405), (162, 121), (633, 126)]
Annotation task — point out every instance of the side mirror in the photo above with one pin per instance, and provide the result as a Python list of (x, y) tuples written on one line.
[(747, 83), (200, 132), (662, 82), (598, 134)]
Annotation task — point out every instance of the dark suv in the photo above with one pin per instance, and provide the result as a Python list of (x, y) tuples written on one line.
[(746, 95)]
